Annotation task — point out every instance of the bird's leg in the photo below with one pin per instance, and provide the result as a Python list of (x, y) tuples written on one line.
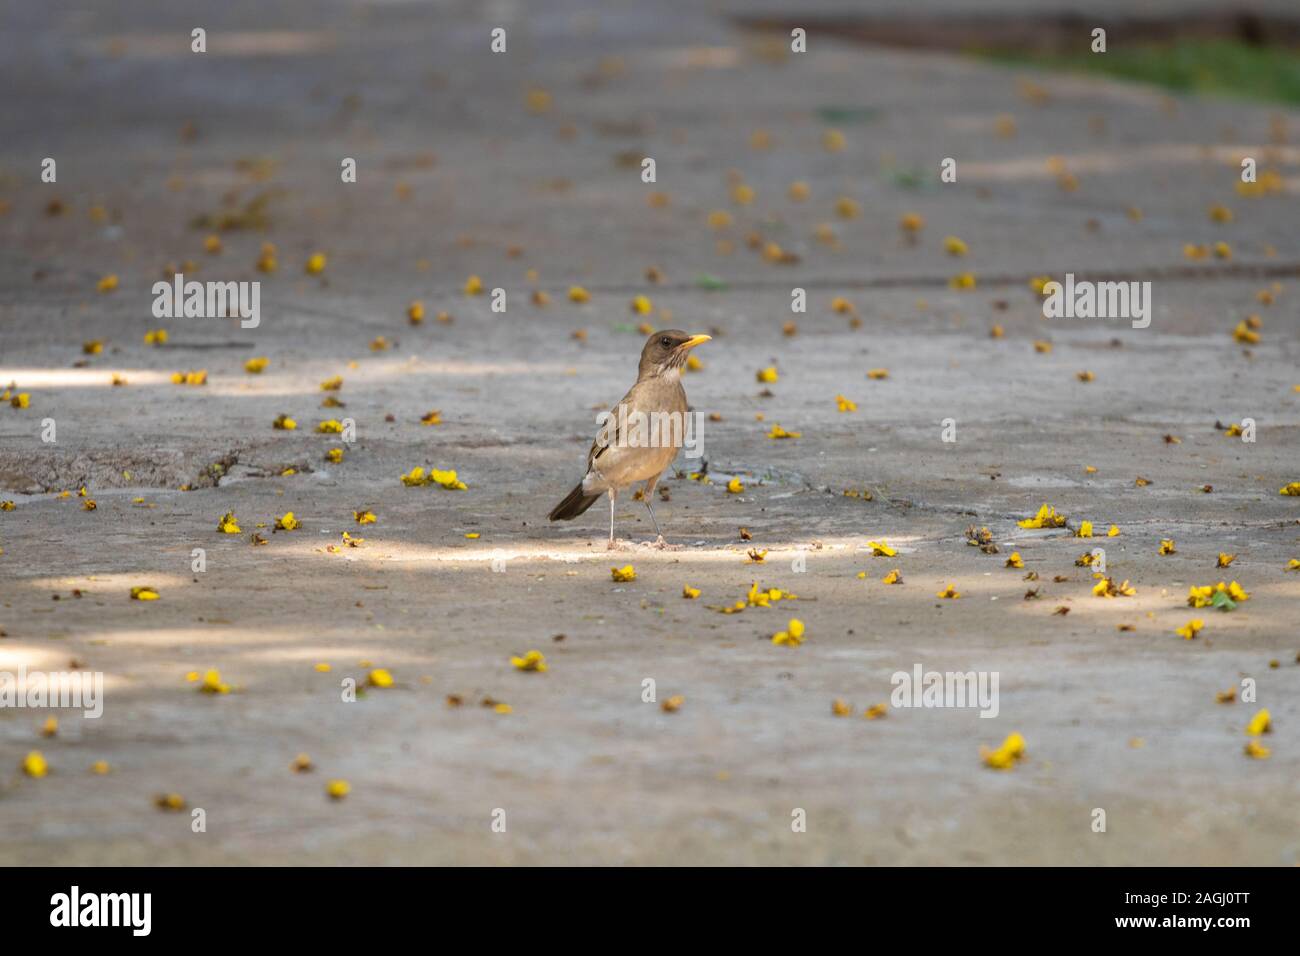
[(648, 496), (613, 493)]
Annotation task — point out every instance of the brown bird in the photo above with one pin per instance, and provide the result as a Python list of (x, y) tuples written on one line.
[(641, 435)]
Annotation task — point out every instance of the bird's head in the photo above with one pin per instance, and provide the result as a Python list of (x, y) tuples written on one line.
[(667, 350)]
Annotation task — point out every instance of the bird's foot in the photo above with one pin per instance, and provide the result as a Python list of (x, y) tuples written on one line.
[(616, 545), (660, 544)]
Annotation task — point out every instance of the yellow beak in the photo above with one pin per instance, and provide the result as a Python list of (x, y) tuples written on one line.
[(695, 340)]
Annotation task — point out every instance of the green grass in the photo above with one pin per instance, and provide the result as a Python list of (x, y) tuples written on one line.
[(1216, 67)]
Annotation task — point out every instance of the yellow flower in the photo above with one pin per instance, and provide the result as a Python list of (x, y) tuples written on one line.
[(845, 404), (364, 517), (1222, 250), (578, 294), (689, 592), (228, 524), (880, 549), (779, 432), (1237, 592), (316, 263), (1261, 723), (414, 477), (51, 727), (472, 535), (1005, 756), (108, 283), (742, 194), (949, 593), (473, 285), (735, 486), (641, 305), (840, 708), (1291, 489), (767, 375), (173, 802), (876, 711), (842, 306), (911, 222), (625, 573), (719, 219), (672, 704), (963, 281), (1293, 564), (21, 400), (1015, 561), (792, 636), (415, 312), (287, 522), (1220, 213), (1244, 334), (35, 765), (1167, 546), (322, 668), (1189, 630), (334, 455), (144, 593), (954, 246), (1045, 518), (284, 423), (532, 661), (331, 426), (93, 347), (332, 384), (876, 374), (1256, 751), (1085, 530), (893, 577), (833, 140), (1107, 588), (379, 678), (1113, 532), (100, 767), (447, 479), (255, 365), (156, 337), (338, 789), (7, 506), (266, 261), (212, 684), (847, 208)]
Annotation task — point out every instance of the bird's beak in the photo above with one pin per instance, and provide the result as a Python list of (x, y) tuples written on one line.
[(693, 341)]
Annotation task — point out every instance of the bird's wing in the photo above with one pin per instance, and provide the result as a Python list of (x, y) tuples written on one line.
[(609, 434)]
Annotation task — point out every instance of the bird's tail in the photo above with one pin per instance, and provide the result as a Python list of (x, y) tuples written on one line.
[(575, 503)]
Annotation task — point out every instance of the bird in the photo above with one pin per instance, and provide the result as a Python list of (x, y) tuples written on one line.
[(640, 436)]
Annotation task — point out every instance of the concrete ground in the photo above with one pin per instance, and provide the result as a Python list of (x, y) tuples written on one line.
[(463, 171)]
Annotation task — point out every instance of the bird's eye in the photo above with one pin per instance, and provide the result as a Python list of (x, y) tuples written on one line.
[(665, 341)]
